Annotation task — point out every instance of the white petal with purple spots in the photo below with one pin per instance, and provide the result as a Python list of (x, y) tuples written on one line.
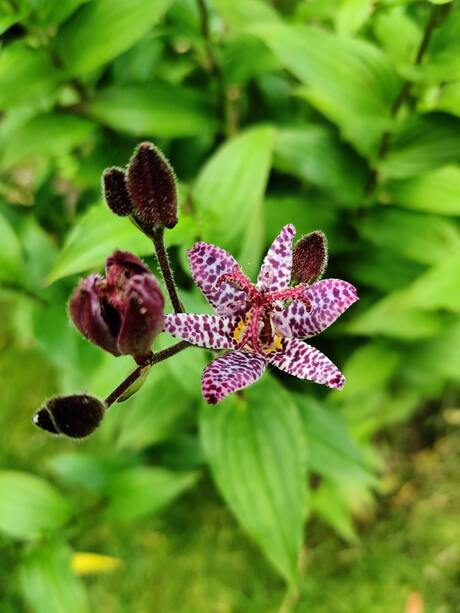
[(208, 263), (329, 299), (304, 361), (211, 331), (229, 373), (275, 273)]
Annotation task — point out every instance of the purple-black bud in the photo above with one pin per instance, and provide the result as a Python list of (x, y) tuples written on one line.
[(75, 416), (121, 312), (309, 258), (116, 191), (152, 187)]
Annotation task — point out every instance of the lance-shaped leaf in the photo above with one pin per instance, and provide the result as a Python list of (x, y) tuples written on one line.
[(257, 453)]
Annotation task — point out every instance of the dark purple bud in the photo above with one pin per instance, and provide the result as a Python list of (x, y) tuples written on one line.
[(74, 416), (309, 258), (123, 312), (116, 191), (152, 187)]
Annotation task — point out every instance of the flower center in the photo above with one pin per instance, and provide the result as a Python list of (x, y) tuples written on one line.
[(255, 330)]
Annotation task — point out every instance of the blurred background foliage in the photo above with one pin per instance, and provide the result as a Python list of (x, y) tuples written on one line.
[(340, 115)]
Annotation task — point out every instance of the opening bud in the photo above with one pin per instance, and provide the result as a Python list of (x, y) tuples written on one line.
[(309, 258), (116, 191), (75, 416), (121, 312), (152, 187)]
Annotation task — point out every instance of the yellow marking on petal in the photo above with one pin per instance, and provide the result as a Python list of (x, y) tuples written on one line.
[(240, 329), (276, 345), (85, 563)]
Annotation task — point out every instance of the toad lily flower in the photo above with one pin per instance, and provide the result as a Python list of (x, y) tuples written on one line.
[(261, 324)]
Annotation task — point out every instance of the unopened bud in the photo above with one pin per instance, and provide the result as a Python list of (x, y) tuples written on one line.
[(116, 191), (152, 187), (309, 259), (75, 416)]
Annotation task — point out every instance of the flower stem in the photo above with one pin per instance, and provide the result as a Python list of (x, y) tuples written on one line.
[(158, 242), (438, 14), (150, 359)]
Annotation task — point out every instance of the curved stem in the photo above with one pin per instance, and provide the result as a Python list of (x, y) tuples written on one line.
[(150, 359), (158, 242)]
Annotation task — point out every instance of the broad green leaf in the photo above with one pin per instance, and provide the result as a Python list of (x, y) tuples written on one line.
[(81, 469), (257, 453), (314, 154), (418, 236), (48, 583), (332, 451), (240, 15), (439, 287), (245, 57), (26, 75), (154, 414), (352, 15), (50, 13), (11, 15), (422, 144), (438, 357), (399, 36), (394, 317), (449, 99), (30, 506), (101, 30), (154, 109), (329, 502), (11, 257), (436, 192), (47, 135), (232, 183), (142, 491), (369, 369), (348, 80), (98, 233)]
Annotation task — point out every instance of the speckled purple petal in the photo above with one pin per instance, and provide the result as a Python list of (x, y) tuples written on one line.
[(229, 373), (208, 263), (329, 299), (212, 331), (306, 362), (275, 273)]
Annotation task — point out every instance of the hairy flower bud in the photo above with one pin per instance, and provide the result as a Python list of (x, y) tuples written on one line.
[(152, 187), (309, 258), (75, 416), (121, 312), (116, 191)]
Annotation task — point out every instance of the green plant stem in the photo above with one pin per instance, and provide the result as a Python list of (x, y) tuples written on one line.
[(157, 237), (150, 359), (438, 14)]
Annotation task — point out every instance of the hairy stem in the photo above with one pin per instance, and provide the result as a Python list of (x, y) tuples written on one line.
[(438, 13), (158, 242), (150, 359)]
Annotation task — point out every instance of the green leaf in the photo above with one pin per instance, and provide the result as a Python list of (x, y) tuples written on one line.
[(11, 258), (438, 288), (47, 135), (352, 15), (232, 183), (419, 237), (314, 154), (138, 492), (238, 15), (329, 502), (26, 75), (449, 99), (48, 583), (422, 144), (101, 30), (348, 80), (257, 454), (369, 369), (155, 109), (30, 506), (436, 192), (393, 316)]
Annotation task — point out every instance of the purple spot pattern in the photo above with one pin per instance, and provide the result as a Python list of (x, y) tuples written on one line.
[(275, 273), (208, 263), (306, 362), (211, 331), (229, 373), (329, 298)]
